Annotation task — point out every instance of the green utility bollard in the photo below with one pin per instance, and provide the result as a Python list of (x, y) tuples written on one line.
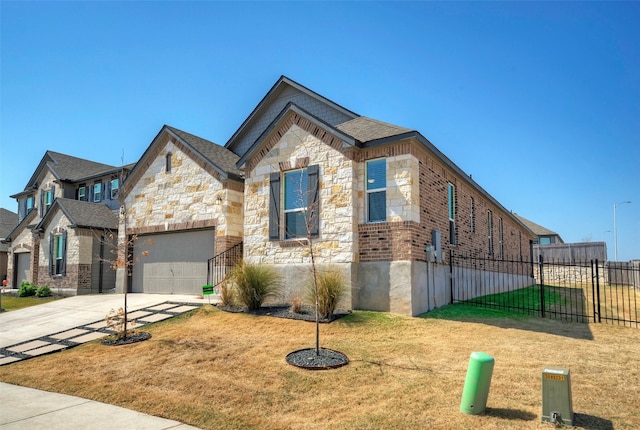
[(476, 385)]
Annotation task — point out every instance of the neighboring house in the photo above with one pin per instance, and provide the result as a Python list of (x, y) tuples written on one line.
[(8, 221), (386, 205), (544, 236), (81, 185)]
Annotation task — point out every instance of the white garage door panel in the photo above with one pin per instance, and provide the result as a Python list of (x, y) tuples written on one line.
[(176, 263)]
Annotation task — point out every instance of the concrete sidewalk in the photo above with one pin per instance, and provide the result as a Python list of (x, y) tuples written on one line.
[(25, 408)]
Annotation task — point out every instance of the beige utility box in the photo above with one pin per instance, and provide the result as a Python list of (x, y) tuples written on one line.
[(557, 406)]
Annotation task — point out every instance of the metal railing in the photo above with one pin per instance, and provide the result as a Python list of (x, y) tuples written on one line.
[(220, 266), (579, 291)]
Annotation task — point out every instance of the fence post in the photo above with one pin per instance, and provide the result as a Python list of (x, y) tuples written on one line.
[(541, 269), (451, 274), (598, 290)]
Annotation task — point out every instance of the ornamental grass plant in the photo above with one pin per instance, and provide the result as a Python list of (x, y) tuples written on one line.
[(254, 283)]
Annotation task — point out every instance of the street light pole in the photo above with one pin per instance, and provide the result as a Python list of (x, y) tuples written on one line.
[(615, 230)]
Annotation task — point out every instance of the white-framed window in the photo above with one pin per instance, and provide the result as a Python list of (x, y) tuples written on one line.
[(500, 238), (29, 204), (97, 192), (451, 207), (490, 230), (296, 189), (115, 185), (376, 190), (82, 192)]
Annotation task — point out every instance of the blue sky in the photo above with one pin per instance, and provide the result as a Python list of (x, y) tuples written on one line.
[(539, 101)]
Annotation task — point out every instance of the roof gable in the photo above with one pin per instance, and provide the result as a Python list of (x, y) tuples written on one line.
[(294, 115), (285, 91), (537, 229), (217, 160), (68, 168), (81, 214)]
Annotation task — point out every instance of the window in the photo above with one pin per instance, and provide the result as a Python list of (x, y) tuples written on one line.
[(545, 241), (296, 187), (376, 190), (115, 184), (97, 192), (472, 208), (57, 253), (490, 231), (48, 199), (82, 192), (29, 203), (500, 238), (300, 201), (451, 204), (167, 163)]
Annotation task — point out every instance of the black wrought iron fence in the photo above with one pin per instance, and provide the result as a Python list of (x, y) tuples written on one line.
[(587, 291)]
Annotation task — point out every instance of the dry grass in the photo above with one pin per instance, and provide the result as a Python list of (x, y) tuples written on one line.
[(217, 370)]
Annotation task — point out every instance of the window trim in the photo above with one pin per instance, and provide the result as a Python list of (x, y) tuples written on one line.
[(277, 220), (114, 190), (304, 206), (472, 211), (58, 253), (490, 230), (500, 238), (167, 162), (451, 212), (369, 192), (82, 193), (97, 195)]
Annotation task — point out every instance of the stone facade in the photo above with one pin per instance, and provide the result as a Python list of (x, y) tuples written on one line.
[(188, 196), (385, 261), (80, 259)]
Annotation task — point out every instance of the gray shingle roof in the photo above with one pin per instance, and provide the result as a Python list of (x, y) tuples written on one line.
[(537, 229), (216, 154), (84, 214), (8, 222), (67, 167), (367, 129)]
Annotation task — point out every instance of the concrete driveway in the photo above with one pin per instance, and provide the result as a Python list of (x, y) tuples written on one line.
[(54, 317)]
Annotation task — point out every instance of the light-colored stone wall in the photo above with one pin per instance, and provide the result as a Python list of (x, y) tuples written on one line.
[(186, 194), (337, 242)]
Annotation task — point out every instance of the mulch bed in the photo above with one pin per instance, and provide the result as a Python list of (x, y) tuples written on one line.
[(132, 338), (322, 360), (307, 313)]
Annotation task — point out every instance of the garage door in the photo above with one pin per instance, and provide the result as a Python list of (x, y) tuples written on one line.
[(172, 263), (23, 264)]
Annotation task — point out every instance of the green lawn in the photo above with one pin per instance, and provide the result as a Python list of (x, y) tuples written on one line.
[(11, 303), (513, 304)]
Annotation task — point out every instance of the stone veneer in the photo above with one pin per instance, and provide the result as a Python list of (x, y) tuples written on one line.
[(187, 197), (79, 258)]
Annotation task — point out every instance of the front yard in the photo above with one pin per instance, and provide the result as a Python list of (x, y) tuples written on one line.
[(213, 370)]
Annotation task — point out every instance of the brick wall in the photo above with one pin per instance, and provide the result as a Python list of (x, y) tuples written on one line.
[(393, 241)]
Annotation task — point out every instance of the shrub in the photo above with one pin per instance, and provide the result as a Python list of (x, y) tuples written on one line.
[(26, 289), (43, 291), (331, 288), (296, 305), (227, 295), (115, 321), (254, 283)]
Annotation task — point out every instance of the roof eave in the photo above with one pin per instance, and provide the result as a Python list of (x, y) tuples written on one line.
[(283, 80), (293, 108)]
